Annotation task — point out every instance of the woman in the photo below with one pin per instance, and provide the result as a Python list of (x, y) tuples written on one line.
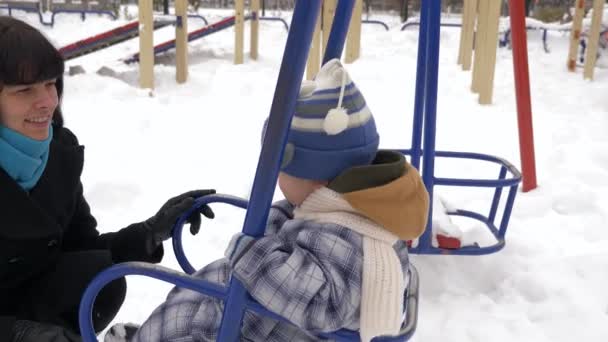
[(49, 246)]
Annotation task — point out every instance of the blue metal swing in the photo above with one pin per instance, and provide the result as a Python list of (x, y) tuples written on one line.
[(425, 115), (291, 72)]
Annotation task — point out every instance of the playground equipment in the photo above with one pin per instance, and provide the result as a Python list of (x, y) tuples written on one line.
[(82, 7), (147, 50), (322, 31), (197, 34), (106, 39), (485, 60), (146, 29), (486, 40), (594, 37), (200, 33), (603, 43), (283, 107), (236, 300)]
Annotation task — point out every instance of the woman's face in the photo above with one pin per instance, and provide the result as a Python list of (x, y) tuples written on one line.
[(28, 109)]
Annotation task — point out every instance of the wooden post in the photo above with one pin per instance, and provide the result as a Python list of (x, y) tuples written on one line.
[(239, 30), (465, 16), (181, 41), (593, 39), (314, 55), (575, 34), (480, 41), (353, 42), (255, 29), (467, 34), (489, 64), (329, 11), (146, 45)]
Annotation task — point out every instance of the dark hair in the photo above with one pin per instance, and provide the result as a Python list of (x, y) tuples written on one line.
[(27, 57)]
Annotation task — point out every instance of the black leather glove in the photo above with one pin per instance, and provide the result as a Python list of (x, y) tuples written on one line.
[(161, 225), (30, 331)]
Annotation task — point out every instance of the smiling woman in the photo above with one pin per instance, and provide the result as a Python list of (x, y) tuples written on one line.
[(50, 248), (30, 75)]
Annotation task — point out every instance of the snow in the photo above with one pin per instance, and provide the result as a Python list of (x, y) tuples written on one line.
[(549, 282)]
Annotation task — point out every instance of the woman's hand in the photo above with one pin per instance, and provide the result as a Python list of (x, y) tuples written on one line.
[(161, 225)]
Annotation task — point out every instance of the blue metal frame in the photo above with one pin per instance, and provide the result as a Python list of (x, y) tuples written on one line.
[(417, 23), (375, 22), (583, 45), (283, 106), (199, 17), (35, 9), (196, 284), (83, 13), (277, 19), (507, 37), (178, 246), (425, 117)]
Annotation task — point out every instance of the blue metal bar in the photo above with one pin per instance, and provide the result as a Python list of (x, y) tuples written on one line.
[(339, 29), (178, 246), (415, 23), (506, 39), (220, 292), (497, 194), (545, 44), (276, 19), (283, 106), (199, 17), (85, 313), (375, 22), (430, 109), (35, 9), (476, 156), (418, 122), (508, 208), (478, 183), (82, 13)]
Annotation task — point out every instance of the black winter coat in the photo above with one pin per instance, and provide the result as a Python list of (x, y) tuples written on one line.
[(40, 227)]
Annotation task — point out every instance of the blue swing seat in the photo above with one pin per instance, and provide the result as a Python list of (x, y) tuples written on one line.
[(186, 280)]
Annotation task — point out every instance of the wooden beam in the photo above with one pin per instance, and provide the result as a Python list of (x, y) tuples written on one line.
[(314, 55), (146, 45), (239, 30), (593, 39), (468, 33), (480, 41), (353, 42), (255, 29), (575, 34), (489, 66), (181, 41)]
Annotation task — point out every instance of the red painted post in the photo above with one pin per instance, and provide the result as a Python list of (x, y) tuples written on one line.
[(522, 93)]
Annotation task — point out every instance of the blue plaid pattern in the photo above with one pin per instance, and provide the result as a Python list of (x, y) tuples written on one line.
[(310, 273)]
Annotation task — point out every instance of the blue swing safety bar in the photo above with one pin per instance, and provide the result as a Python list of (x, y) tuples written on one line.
[(236, 299)]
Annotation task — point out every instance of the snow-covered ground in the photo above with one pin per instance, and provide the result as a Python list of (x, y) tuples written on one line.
[(548, 284)]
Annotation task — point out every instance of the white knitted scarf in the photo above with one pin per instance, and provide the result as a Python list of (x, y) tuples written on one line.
[(383, 279)]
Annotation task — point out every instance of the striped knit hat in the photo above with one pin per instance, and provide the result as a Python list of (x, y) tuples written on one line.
[(332, 129)]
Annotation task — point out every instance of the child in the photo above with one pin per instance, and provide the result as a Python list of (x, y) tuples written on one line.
[(334, 254)]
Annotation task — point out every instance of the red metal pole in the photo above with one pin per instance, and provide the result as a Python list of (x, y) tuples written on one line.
[(522, 93)]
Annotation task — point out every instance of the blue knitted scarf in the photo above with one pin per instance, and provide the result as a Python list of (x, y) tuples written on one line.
[(23, 158)]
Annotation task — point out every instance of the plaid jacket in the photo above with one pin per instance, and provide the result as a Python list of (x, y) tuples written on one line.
[(308, 272)]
